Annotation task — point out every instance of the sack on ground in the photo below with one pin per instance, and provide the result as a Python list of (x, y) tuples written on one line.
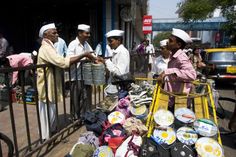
[(94, 121), (150, 148), (89, 138), (133, 124), (81, 150), (130, 147), (113, 136)]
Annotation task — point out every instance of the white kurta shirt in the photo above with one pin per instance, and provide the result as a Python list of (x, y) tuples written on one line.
[(119, 64), (160, 64), (76, 48), (150, 49)]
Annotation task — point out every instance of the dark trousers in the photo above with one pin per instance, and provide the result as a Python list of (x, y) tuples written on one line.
[(80, 98)]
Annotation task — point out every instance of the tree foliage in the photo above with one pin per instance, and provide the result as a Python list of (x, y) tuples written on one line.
[(192, 10), (159, 37)]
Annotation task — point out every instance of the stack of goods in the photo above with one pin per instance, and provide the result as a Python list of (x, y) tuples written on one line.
[(93, 74), (119, 126), (181, 134), (140, 98), (87, 73), (29, 96), (118, 123)]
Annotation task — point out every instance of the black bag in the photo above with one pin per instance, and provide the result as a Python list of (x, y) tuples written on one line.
[(150, 148), (180, 150), (94, 121), (125, 78)]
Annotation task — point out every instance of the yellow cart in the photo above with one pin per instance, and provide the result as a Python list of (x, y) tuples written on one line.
[(201, 101)]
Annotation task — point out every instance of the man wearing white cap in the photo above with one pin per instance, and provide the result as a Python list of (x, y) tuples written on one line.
[(180, 68), (120, 61), (48, 55), (151, 51), (77, 47), (161, 62)]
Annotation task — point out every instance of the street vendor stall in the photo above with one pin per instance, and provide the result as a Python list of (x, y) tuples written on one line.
[(139, 124)]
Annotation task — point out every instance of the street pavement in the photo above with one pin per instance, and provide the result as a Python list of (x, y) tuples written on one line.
[(229, 141), (64, 147)]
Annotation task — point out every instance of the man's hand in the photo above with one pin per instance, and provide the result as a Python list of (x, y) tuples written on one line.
[(100, 60), (160, 78), (90, 56)]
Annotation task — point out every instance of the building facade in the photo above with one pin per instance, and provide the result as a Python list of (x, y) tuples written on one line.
[(22, 20)]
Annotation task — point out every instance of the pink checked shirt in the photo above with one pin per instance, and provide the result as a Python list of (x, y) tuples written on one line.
[(18, 60), (179, 70)]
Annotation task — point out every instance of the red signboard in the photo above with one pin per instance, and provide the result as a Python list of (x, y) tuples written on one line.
[(147, 24)]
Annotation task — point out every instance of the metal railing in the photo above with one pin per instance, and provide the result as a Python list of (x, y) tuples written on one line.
[(20, 119)]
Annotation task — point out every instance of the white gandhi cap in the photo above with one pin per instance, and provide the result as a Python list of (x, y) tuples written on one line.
[(164, 42), (46, 27), (84, 27), (115, 33), (182, 35)]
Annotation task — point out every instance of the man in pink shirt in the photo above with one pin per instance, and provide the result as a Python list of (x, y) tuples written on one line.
[(15, 61), (180, 70)]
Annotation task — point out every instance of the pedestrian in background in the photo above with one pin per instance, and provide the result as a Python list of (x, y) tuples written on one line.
[(16, 61), (3, 46), (180, 70), (161, 62), (61, 47), (150, 50), (141, 51), (98, 49), (197, 61)]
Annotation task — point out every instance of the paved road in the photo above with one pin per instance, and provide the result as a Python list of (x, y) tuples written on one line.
[(229, 141), (64, 147)]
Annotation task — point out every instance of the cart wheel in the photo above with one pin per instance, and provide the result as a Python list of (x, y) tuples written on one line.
[(9, 143), (223, 102)]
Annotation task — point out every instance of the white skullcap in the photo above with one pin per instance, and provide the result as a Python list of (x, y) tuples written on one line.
[(115, 33), (164, 42), (182, 35), (84, 27), (46, 27)]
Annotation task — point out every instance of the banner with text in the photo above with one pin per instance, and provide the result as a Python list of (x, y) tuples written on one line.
[(147, 24)]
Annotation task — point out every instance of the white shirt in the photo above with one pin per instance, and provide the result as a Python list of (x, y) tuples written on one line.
[(61, 47), (76, 48), (150, 49), (108, 52), (160, 64), (98, 50), (119, 64)]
